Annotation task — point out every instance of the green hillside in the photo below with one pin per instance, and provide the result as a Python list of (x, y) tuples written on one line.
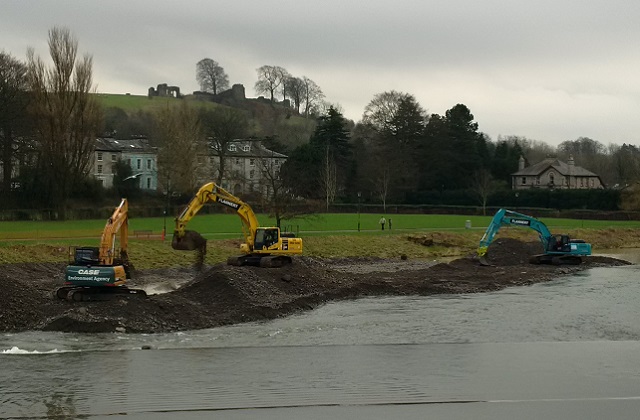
[(134, 103), (265, 119)]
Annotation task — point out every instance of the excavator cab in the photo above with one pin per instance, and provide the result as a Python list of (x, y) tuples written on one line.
[(558, 243), (265, 238), (85, 255)]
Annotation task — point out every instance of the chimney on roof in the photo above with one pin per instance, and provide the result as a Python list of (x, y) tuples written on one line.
[(571, 162), (521, 163)]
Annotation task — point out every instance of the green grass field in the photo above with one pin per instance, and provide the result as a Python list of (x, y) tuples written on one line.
[(324, 235), (229, 225)]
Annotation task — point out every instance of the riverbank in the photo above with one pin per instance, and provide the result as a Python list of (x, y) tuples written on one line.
[(184, 299)]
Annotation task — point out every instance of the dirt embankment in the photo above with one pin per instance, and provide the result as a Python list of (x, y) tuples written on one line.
[(222, 294)]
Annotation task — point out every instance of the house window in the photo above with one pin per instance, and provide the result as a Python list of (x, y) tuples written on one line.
[(148, 183), (139, 163), (252, 173), (582, 182), (524, 180), (99, 169), (99, 156), (592, 182), (252, 162), (237, 161), (114, 158), (537, 180), (232, 147), (148, 163), (246, 148), (551, 178)]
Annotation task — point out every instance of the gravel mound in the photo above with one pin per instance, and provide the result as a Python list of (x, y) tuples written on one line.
[(222, 294)]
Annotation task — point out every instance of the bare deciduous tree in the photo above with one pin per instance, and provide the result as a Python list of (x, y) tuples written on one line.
[(312, 95), (284, 82), (280, 199), (13, 102), (269, 80), (381, 111), (211, 76), (483, 185), (179, 135), (221, 126), (67, 116), (329, 179), (382, 182), (296, 92)]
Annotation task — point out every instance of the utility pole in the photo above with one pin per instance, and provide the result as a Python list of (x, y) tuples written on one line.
[(359, 195)]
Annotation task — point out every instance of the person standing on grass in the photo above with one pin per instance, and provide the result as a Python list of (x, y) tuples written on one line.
[(389, 223), (382, 222)]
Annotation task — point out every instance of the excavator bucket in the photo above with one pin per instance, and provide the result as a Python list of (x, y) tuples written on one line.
[(483, 261), (191, 241)]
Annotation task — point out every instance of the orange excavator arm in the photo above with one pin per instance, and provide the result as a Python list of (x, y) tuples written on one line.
[(118, 223)]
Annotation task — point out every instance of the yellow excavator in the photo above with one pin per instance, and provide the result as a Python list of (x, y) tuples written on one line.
[(263, 246), (100, 273)]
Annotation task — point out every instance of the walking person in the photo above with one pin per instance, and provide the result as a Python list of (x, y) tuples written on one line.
[(382, 222)]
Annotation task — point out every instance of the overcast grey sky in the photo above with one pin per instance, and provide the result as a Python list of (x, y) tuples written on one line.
[(549, 70)]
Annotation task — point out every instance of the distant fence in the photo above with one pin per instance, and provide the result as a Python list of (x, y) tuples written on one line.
[(158, 211)]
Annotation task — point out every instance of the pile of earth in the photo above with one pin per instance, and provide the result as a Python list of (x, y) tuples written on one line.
[(185, 299)]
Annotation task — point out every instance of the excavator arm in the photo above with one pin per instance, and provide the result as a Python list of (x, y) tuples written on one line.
[(116, 224), (505, 217), (211, 192)]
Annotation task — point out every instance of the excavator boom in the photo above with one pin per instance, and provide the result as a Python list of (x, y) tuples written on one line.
[(117, 223)]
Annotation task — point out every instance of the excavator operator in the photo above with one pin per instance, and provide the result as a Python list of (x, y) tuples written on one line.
[(270, 237)]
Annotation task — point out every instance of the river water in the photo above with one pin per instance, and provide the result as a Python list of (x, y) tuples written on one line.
[(567, 349)]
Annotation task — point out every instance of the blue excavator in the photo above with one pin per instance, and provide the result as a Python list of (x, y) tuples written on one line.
[(557, 249)]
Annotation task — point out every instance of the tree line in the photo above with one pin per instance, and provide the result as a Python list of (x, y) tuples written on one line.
[(397, 153)]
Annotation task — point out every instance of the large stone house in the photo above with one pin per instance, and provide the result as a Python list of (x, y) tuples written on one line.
[(553, 173), (137, 153), (249, 167)]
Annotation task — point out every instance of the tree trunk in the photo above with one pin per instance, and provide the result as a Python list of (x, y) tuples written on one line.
[(7, 160)]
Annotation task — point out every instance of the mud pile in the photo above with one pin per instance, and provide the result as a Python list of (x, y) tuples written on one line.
[(506, 251), (222, 294)]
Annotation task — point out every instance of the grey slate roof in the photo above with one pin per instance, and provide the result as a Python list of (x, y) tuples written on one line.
[(561, 167), (135, 145), (256, 149), (103, 144)]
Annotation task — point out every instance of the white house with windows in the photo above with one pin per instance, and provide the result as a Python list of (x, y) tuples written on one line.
[(553, 173), (249, 166), (105, 157), (137, 153)]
